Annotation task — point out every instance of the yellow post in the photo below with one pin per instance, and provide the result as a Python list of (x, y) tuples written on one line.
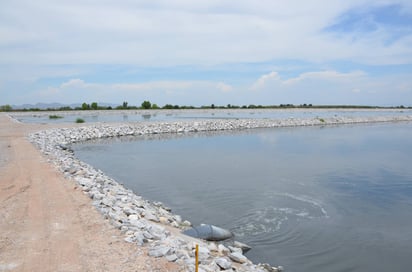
[(197, 258)]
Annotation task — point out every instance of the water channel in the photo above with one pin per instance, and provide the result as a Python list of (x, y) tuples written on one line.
[(336, 198)]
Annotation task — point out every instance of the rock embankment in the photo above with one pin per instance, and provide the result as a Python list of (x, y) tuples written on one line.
[(152, 224)]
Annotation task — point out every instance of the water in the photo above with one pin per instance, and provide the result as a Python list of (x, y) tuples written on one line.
[(311, 199), (175, 115)]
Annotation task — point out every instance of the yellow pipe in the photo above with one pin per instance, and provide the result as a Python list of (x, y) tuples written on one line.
[(197, 258)]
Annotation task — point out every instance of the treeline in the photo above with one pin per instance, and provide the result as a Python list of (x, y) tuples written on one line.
[(149, 105)]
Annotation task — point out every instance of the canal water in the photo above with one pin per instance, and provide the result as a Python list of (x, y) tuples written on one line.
[(335, 198), (179, 115)]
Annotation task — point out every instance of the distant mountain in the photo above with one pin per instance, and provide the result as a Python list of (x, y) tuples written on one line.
[(44, 106)]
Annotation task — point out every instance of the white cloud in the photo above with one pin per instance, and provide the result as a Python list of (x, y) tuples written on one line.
[(326, 76), (224, 87), (273, 79), (260, 83), (332, 87), (50, 41), (185, 32), (75, 90), (73, 83)]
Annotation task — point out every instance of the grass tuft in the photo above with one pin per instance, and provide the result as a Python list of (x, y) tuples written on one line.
[(55, 116)]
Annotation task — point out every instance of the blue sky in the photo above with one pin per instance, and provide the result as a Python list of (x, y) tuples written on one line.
[(203, 52)]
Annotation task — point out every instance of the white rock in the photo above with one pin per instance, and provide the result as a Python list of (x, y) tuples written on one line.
[(235, 249), (242, 246), (151, 217), (129, 239), (223, 250), (224, 263), (133, 217), (212, 247), (171, 258), (159, 251), (238, 257)]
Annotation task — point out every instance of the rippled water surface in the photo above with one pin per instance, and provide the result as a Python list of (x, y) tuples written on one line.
[(311, 199)]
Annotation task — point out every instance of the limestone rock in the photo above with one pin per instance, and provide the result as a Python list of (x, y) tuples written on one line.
[(171, 258), (242, 246), (222, 249), (224, 263), (159, 251), (238, 257)]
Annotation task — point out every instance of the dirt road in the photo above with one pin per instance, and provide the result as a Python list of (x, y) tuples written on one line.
[(47, 224)]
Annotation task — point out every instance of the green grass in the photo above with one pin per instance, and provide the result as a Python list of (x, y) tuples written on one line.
[(55, 116), (80, 120), (322, 120)]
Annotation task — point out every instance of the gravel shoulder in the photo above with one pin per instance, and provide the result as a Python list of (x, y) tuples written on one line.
[(48, 224)]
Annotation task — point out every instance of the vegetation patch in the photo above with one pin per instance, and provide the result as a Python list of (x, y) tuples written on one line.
[(55, 116), (79, 120)]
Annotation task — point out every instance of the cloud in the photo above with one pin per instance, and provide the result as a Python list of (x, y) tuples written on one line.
[(325, 76), (273, 78), (224, 87), (182, 32), (75, 90), (80, 45), (73, 83), (260, 83), (333, 87)]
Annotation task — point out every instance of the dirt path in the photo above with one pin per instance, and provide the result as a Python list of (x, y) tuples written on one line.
[(46, 224)]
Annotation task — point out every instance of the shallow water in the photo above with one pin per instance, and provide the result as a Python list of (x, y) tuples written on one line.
[(166, 115), (333, 198)]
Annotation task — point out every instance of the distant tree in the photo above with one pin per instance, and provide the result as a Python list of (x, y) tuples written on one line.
[(176, 107), (65, 108), (212, 106), (187, 107), (168, 106), (85, 106), (6, 108), (146, 105), (94, 105), (125, 105), (155, 107)]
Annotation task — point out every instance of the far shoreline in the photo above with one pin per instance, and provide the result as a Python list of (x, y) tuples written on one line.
[(213, 113)]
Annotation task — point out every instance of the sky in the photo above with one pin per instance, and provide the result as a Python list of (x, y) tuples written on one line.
[(205, 52)]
